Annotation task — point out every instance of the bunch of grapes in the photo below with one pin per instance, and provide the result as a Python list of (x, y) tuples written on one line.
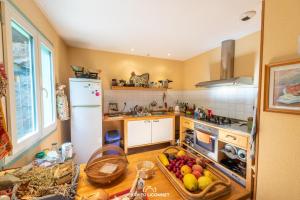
[(176, 164)]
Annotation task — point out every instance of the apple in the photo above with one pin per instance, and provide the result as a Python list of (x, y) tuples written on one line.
[(197, 168), (197, 174)]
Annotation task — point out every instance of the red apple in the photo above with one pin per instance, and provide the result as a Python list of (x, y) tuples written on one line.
[(197, 174)]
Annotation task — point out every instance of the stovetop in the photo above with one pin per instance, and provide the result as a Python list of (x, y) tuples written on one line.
[(219, 120), (225, 123)]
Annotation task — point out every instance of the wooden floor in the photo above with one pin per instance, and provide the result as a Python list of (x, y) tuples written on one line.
[(159, 181)]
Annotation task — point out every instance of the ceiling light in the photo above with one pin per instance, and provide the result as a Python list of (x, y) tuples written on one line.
[(169, 54), (132, 49), (248, 15)]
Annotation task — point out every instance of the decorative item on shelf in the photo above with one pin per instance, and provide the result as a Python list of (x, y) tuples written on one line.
[(81, 72), (165, 83), (114, 82), (122, 83), (139, 80), (62, 104), (282, 87)]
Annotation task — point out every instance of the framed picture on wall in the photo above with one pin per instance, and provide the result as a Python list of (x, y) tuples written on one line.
[(282, 87)]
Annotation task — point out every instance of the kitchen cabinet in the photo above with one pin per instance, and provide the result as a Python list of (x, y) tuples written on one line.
[(162, 130), (148, 130), (139, 132)]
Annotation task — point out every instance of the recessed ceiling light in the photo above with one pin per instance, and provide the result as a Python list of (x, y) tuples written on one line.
[(169, 54), (248, 15), (132, 49)]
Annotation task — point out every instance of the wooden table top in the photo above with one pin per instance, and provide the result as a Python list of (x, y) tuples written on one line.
[(159, 181)]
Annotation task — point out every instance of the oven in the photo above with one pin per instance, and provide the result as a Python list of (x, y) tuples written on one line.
[(206, 140)]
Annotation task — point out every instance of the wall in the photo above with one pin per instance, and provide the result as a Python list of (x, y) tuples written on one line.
[(206, 66), (120, 66), (234, 102), (279, 140), (29, 8)]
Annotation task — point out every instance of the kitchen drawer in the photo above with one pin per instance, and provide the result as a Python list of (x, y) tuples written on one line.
[(187, 123), (238, 140)]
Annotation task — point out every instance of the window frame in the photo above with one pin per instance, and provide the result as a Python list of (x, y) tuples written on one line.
[(9, 14), (52, 127)]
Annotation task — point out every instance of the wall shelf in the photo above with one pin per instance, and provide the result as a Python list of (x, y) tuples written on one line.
[(137, 88)]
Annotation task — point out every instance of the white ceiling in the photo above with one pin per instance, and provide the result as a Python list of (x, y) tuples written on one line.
[(183, 28)]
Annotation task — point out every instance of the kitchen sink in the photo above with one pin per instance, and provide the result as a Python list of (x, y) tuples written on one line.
[(158, 113)]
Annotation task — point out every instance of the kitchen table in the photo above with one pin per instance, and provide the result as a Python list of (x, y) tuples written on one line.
[(159, 182)]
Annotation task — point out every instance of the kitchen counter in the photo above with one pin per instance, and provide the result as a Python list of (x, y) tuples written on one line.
[(131, 117), (159, 181), (234, 127)]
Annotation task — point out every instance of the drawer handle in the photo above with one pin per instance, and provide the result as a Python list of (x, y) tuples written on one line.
[(147, 121), (155, 120), (230, 136), (186, 122)]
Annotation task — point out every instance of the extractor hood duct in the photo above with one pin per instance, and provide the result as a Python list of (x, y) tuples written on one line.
[(227, 69)]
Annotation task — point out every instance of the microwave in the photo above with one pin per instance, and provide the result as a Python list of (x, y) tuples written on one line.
[(206, 140)]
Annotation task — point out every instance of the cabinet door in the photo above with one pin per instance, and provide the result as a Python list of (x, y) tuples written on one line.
[(162, 130), (139, 132)]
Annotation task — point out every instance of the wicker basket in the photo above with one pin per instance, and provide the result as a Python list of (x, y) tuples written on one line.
[(99, 159), (218, 188)]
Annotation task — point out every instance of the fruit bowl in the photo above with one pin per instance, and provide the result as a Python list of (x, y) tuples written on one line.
[(192, 176)]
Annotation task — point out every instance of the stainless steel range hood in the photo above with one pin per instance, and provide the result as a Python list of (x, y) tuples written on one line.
[(227, 69)]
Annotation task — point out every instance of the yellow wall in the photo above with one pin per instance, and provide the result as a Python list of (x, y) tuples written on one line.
[(279, 140), (120, 66), (30, 9), (206, 66)]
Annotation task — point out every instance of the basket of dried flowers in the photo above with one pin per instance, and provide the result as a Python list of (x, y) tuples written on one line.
[(50, 183)]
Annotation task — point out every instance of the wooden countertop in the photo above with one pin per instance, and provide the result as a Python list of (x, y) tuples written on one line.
[(159, 181), (128, 117)]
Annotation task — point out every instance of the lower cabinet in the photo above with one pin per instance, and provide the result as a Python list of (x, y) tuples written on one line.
[(162, 130), (142, 132), (139, 132)]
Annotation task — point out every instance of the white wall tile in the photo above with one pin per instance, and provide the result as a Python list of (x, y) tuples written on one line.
[(235, 102)]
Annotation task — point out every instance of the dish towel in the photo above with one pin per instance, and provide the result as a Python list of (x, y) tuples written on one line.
[(253, 133), (62, 104), (5, 142)]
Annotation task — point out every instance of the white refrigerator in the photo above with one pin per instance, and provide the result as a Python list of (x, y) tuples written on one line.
[(86, 117)]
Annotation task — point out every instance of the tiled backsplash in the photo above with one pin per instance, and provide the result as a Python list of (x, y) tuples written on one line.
[(142, 98), (234, 102)]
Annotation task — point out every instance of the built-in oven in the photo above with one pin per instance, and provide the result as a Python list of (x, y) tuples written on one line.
[(206, 140)]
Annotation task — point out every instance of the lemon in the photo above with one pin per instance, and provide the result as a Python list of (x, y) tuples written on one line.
[(204, 181), (190, 182), (209, 174)]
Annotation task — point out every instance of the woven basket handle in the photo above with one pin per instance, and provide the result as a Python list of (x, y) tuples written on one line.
[(105, 148), (171, 147), (208, 188)]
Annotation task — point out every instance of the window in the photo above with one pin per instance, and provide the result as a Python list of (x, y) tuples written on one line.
[(31, 92), (24, 81), (47, 85)]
